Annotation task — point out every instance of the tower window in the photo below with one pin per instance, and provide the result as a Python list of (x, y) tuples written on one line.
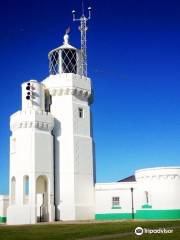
[(26, 189), (81, 112)]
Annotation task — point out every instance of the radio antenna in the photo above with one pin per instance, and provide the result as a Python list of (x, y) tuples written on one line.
[(83, 28)]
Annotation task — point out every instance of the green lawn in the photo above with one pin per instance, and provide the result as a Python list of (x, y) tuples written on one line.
[(84, 230)]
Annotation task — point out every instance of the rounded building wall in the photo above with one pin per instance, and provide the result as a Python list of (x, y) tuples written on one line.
[(158, 192)]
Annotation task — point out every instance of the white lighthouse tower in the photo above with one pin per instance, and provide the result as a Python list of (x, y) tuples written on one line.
[(70, 93)]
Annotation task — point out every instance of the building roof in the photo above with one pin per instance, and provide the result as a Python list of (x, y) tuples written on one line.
[(128, 179), (65, 45)]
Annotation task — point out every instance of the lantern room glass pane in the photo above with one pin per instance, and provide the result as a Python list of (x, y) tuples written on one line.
[(54, 63), (63, 61), (69, 61)]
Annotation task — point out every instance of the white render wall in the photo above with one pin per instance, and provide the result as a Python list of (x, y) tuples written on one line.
[(73, 146), (162, 185), (31, 154), (106, 191)]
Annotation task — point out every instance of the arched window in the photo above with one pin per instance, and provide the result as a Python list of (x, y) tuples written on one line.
[(13, 190), (42, 199), (26, 189)]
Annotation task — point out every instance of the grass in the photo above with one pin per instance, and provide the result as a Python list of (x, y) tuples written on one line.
[(67, 231)]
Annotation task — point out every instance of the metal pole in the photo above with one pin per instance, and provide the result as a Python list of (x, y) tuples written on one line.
[(83, 29), (132, 202)]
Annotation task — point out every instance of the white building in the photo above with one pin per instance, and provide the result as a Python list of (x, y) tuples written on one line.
[(153, 193), (52, 162)]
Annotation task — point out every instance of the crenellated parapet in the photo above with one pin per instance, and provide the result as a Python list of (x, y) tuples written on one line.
[(69, 91), (32, 119), (161, 173), (71, 84)]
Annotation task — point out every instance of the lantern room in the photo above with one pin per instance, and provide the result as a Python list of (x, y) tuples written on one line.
[(65, 59)]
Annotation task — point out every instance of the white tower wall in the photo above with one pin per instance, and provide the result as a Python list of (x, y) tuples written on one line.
[(37, 96), (73, 146), (31, 161), (4, 203)]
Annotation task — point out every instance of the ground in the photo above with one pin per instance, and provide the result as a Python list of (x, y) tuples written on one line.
[(89, 231)]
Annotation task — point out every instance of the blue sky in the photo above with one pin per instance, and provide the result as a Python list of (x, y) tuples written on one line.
[(134, 63)]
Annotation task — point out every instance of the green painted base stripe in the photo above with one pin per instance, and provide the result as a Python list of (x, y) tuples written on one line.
[(158, 214), (141, 214), (2, 219), (113, 216)]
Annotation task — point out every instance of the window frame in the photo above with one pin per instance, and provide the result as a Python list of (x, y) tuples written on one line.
[(81, 112), (116, 201)]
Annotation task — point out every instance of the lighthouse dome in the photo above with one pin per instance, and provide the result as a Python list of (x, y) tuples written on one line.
[(64, 59)]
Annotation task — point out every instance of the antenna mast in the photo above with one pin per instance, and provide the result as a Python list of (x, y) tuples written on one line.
[(83, 28)]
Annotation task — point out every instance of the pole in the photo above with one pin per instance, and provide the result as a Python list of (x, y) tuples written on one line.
[(132, 202), (83, 29)]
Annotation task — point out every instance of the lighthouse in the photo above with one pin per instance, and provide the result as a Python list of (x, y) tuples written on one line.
[(70, 95), (52, 173), (73, 144)]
